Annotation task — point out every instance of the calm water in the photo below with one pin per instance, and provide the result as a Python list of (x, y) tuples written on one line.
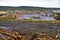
[(5, 27), (26, 16)]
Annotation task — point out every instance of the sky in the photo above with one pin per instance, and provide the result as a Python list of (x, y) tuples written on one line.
[(35, 3)]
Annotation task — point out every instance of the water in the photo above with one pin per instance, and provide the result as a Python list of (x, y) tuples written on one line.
[(7, 28), (26, 16)]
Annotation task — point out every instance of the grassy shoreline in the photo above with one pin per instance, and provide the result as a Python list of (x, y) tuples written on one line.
[(33, 21), (40, 21)]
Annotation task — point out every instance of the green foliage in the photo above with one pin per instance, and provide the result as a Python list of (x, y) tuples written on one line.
[(5, 19), (26, 8), (41, 21)]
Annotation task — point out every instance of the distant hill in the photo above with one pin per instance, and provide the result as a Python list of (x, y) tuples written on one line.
[(26, 8)]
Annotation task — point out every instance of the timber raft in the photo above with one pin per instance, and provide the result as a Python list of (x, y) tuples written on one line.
[(11, 35), (27, 29)]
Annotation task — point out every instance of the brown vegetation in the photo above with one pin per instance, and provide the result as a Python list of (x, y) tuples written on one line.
[(13, 16), (58, 16), (36, 17)]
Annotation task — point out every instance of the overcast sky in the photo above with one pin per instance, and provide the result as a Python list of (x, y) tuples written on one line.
[(37, 3)]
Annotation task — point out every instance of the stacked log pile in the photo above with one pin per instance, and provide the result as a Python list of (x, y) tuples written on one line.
[(13, 35)]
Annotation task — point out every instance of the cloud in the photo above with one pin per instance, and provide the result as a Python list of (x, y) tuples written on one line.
[(38, 3), (5, 0)]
